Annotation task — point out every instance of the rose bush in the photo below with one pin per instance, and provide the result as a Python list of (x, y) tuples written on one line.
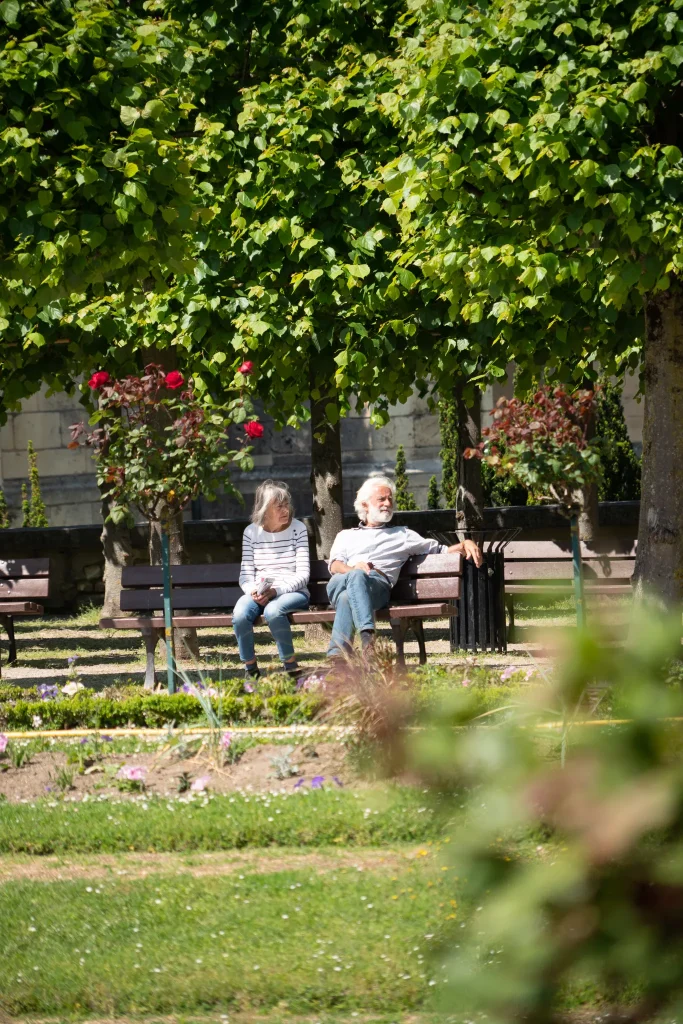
[(158, 443), (543, 444)]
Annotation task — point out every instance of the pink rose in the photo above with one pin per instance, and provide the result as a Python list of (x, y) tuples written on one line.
[(246, 368)]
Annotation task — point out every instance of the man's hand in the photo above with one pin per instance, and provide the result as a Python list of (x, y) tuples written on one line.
[(365, 566), (263, 598), (341, 567), (469, 549)]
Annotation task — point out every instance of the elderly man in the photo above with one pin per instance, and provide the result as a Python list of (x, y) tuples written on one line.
[(365, 563)]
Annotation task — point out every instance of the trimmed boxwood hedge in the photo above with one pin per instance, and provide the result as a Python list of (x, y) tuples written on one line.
[(154, 711)]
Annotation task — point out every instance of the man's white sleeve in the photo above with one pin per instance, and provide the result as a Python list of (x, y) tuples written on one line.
[(424, 545), (339, 552)]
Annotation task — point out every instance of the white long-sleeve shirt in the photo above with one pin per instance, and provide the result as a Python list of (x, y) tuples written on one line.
[(387, 547), (281, 557)]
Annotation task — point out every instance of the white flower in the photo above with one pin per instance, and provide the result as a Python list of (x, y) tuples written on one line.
[(37, 721), (72, 688)]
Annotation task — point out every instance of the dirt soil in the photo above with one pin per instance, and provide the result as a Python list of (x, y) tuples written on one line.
[(57, 868), (40, 777)]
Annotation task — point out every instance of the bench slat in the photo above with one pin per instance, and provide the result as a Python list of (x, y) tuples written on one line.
[(13, 588), (539, 550), (16, 567), (422, 611), (443, 588), (220, 574), (20, 608), (566, 588), (615, 568)]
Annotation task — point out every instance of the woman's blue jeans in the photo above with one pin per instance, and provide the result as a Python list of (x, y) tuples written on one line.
[(355, 597), (275, 613)]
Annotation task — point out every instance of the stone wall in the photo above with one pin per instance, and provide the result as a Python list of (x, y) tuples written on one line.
[(71, 495), (76, 561)]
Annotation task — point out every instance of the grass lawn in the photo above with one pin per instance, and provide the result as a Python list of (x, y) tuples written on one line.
[(309, 818), (344, 940)]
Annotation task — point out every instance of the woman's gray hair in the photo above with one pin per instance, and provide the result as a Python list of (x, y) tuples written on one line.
[(366, 490), (271, 490)]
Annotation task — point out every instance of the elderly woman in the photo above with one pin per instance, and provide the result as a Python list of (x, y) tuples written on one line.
[(274, 572)]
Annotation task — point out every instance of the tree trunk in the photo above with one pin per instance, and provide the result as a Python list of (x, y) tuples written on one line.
[(589, 514), (469, 509), (326, 484), (118, 552), (326, 471), (659, 562), (186, 644)]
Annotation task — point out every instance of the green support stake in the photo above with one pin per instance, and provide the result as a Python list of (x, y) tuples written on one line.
[(168, 610), (578, 573)]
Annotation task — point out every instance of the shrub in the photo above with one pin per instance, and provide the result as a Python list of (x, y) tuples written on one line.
[(88, 711)]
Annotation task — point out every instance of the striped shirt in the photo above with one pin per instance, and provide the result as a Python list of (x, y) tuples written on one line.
[(282, 557)]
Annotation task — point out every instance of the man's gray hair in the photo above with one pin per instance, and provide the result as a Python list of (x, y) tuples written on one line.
[(271, 490), (367, 489)]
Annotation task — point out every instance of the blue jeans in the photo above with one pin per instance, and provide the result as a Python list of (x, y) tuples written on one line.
[(355, 596), (275, 613)]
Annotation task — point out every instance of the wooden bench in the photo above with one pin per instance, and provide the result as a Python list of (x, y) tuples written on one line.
[(428, 588), (21, 580), (543, 567)]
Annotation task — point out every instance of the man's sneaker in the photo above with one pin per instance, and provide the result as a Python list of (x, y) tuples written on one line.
[(251, 675)]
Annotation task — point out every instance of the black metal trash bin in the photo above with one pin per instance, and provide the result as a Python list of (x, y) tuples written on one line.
[(480, 622)]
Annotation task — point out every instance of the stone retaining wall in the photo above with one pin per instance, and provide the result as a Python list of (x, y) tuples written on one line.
[(76, 561)]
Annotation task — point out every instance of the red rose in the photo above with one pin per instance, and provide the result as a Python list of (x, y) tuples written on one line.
[(174, 380), (98, 380), (246, 368), (253, 429)]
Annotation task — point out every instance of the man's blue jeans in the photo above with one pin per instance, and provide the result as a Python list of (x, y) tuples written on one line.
[(275, 613), (355, 596)]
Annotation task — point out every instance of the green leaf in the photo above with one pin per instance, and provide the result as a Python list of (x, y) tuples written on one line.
[(358, 270), (470, 120), (332, 412), (9, 10), (635, 92), (129, 115), (469, 78)]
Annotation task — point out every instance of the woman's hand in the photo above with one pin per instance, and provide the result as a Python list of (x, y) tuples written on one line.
[(265, 597)]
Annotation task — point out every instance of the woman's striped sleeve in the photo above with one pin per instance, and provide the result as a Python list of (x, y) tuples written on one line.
[(247, 571)]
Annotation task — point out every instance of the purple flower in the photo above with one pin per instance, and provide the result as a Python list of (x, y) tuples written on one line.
[(200, 784), (47, 692), (298, 784), (107, 739), (248, 688), (338, 781), (84, 740), (72, 659), (132, 773), (226, 740), (3, 742), (317, 781)]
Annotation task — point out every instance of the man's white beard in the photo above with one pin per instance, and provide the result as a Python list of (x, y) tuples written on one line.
[(380, 516)]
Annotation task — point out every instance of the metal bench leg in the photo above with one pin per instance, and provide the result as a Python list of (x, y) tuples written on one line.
[(8, 622), (151, 638), (510, 605), (419, 631), (398, 632)]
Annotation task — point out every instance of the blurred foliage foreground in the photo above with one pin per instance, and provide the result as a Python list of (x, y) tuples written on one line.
[(572, 866)]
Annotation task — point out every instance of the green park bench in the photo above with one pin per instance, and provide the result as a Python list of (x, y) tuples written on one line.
[(427, 588), (21, 581), (544, 568)]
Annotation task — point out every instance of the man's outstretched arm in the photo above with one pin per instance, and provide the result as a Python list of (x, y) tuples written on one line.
[(469, 549)]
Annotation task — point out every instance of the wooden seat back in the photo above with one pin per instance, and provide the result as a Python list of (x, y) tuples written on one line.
[(422, 578), (533, 561), (24, 579)]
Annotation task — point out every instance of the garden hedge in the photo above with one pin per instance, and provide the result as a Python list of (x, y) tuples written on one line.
[(153, 711)]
